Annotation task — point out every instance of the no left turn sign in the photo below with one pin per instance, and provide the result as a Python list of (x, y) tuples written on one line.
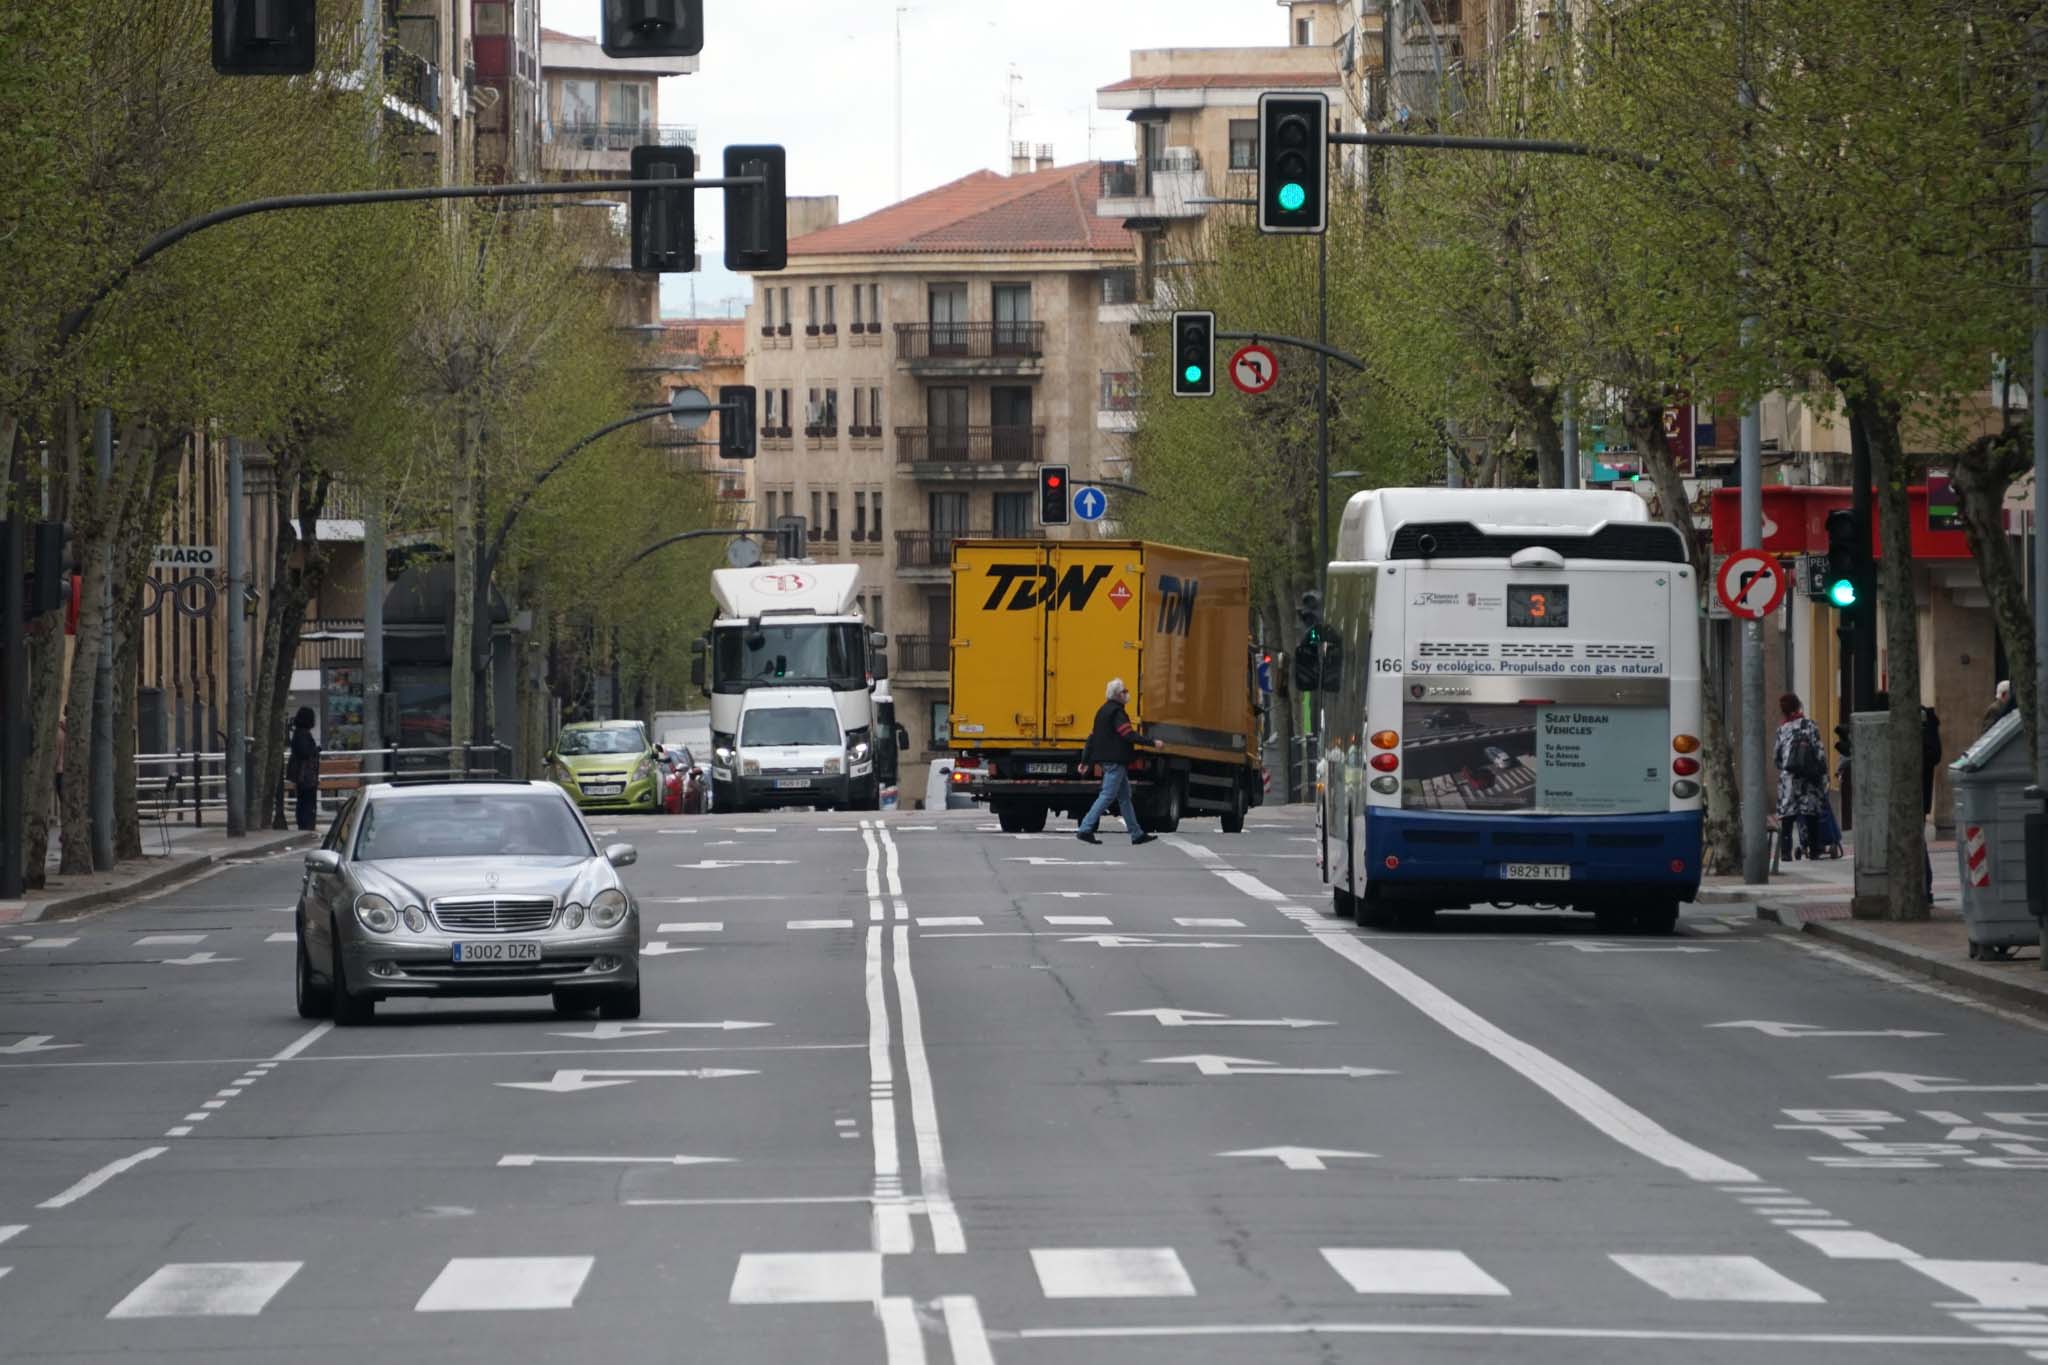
[(1254, 369), (1751, 584)]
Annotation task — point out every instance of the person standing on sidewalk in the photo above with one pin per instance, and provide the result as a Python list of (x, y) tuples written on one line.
[(1110, 744), (1930, 759), (2001, 702), (302, 767), (1802, 778)]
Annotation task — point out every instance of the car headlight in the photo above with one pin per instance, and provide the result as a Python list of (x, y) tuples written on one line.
[(723, 754), (859, 752), (376, 914), (572, 916), (415, 919), (752, 769), (607, 908), (831, 765), (644, 770)]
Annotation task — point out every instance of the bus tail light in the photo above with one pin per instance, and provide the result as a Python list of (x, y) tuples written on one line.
[(1685, 744), (1392, 862), (1386, 763), (1385, 786), (1684, 790), (1677, 866), (1386, 739), (1685, 767)]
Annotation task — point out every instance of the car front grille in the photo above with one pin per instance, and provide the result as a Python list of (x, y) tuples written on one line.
[(495, 914), (457, 971)]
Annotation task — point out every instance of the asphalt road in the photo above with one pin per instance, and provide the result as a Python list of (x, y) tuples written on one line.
[(915, 1090)]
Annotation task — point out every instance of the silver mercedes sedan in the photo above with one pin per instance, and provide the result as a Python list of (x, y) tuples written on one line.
[(465, 889)]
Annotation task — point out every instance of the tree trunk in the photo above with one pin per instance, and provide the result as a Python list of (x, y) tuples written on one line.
[(1983, 472), (134, 550), (301, 497), (90, 532), (46, 693), (461, 696), (1906, 848), (1721, 828), (1537, 407)]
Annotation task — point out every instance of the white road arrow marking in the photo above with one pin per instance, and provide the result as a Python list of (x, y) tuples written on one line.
[(1133, 941), (1063, 862), (569, 1082), (1937, 1085), (660, 948), (1302, 1158), (1210, 1064), (1588, 945), (35, 1042), (197, 960), (1774, 1029), (753, 829), (710, 864), (1067, 895), (1205, 1019), (607, 1032), (613, 1160)]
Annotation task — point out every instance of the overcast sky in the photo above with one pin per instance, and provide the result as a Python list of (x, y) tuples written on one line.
[(818, 76)]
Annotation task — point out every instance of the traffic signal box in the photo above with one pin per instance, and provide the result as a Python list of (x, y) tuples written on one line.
[(1054, 506), (736, 416), (665, 221), (1308, 654), (653, 28), (1294, 162), (1194, 354), (1841, 571), (263, 37), (757, 216)]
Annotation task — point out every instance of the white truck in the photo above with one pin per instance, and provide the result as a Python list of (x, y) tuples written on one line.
[(781, 629)]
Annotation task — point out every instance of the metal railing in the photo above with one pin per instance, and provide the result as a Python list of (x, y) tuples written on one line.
[(922, 654), (1119, 287), (619, 137), (412, 78), (182, 787), (1119, 179), (969, 340), (960, 445), (934, 549)]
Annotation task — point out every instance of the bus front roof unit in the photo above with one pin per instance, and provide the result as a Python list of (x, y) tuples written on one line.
[(1371, 518)]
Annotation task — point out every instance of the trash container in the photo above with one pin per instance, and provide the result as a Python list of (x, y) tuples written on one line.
[(1990, 782), (2037, 860)]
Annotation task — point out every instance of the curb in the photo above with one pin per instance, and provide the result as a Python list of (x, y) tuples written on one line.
[(1977, 980), (181, 867)]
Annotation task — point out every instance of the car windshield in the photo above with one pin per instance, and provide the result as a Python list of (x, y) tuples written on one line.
[(535, 824), (791, 725), (620, 739)]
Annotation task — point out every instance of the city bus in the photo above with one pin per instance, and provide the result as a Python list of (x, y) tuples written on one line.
[(1510, 712)]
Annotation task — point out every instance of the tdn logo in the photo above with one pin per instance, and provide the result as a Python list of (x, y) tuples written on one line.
[(1040, 585), (1176, 604)]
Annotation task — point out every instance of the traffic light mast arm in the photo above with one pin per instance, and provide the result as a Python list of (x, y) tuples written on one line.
[(75, 321), (1273, 339), (696, 535)]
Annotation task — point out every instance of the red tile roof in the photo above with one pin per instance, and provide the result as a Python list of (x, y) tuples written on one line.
[(1313, 78), (1051, 210), (725, 338)]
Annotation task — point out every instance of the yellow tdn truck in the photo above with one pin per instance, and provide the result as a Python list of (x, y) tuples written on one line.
[(1039, 629)]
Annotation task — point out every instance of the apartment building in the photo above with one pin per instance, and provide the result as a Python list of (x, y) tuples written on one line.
[(915, 367), (1194, 114), (702, 354)]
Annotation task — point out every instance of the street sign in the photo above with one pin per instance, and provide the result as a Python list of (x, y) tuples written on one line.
[(742, 553), (1813, 575), (1090, 503), (688, 409), (1751, 584), (186, 557), (1254, 369)]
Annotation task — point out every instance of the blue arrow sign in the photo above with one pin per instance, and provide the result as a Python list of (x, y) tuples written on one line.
[(1090, 503)]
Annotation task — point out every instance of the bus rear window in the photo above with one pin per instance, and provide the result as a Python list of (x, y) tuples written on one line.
[(1535, 759)]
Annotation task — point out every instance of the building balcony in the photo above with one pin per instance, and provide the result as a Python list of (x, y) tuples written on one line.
[(1156, 189), (606, 146), (927, 556), (412, 85), (968, 452), (968, 349), (918, 657)]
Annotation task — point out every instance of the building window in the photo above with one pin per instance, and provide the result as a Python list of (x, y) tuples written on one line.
[(832, 409), (875, 414), (1013, 514), (948, 514), (579, 104), (1244, 144), (787, 318), (942, 724), (1119, 390), (630, 106), (875, 611), (875, 306), (860, 511), (856, 308), (1304, 32), (768, 409), (811, 309), (947, 304), (831, 305), (814, 412), (767, 308), (817, 526), (858, 425), (785, 412), (875, 504), (832, 514), (1012, 308)]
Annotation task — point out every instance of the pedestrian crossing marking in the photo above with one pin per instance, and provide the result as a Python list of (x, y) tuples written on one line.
[(820, 924), (1077, 920), (694, 926), (808, 1277), (1197, 922), (167, 940), (282, 936), (207, 1289), (483, 1284), (10, 1231), (1385, 1270), (1732, 1279), (1993, 1284), (50, 942), (949, 921), (1852, 1245), (1111, 1273)]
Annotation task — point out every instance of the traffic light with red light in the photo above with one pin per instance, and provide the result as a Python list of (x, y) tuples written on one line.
[(1054, 505)]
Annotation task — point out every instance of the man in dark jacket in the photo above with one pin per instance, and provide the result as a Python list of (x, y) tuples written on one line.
[(1110, 744), (302, 767)]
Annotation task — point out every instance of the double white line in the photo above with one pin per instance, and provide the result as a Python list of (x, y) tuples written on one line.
[(893, 1228)]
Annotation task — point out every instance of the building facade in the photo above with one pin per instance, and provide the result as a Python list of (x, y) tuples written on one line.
[(915, 367)]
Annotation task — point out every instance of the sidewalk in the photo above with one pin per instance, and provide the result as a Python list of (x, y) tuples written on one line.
[(1813, 898), (192, 851)]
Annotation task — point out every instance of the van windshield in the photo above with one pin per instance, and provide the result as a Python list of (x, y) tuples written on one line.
[(790, 725), (831, 655)]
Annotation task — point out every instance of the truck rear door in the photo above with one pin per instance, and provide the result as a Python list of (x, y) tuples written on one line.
[(1094, 613), (999, 661)]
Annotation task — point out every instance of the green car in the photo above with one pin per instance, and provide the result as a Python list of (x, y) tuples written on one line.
[(607, 765)]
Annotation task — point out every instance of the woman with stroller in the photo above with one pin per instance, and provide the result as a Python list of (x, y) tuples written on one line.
[(1803, 786)]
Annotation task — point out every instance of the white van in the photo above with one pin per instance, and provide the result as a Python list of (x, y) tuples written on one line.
[(789, 750)]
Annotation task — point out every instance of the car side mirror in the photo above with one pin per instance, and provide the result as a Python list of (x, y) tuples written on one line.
[(622, 855), (549, 756), (879, 639), (903, 738), (697, 672), (323, 860)]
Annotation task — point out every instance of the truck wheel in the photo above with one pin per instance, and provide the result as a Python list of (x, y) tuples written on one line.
[(1010, 819), (1033, 820), (1233, 819), (1165, 819)]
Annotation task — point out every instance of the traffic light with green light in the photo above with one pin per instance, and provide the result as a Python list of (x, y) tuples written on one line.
[(1841, 581), (1194, 354), (1294, 161)]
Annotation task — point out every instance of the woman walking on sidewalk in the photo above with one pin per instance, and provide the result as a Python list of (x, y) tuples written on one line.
[(1802, 780), (302, 767)]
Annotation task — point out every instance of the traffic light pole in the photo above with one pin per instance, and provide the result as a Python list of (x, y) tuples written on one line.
[(696, 535)]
